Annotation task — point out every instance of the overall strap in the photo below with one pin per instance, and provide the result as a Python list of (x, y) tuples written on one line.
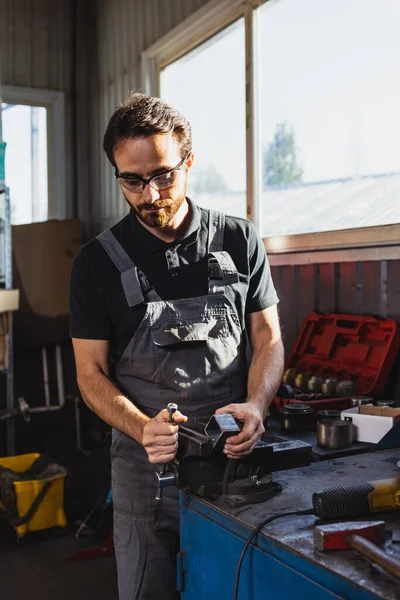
[(221, 268), (216, 228), (222, 272), (125, 265)]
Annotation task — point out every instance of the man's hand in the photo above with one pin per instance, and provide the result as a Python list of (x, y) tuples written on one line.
[(242, 444), (160, 438)]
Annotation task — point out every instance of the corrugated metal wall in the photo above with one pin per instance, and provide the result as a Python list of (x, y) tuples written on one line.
[(362, 288), (124, 29), (36, 50), (51, 44), (35, 43)]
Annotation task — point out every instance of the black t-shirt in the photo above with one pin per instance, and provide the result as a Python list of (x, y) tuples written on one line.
[(98, 307)]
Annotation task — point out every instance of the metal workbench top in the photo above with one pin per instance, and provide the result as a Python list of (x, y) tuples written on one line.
[(295, 533)]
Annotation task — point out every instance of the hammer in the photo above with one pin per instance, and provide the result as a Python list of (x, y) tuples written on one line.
[(359, 536)]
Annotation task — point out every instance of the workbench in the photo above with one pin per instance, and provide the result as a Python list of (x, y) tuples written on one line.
[(310, 437), (282, 562)]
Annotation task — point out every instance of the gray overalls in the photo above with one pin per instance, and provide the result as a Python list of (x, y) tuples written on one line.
[(191, 351)]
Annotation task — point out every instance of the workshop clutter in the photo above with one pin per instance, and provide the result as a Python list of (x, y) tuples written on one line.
[(361, 537), (371, 423), (31, 493), (43, 255), (339, 361), (9, 301)]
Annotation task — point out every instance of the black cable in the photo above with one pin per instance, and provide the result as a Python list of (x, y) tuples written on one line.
[(101, 501), (309, 511)]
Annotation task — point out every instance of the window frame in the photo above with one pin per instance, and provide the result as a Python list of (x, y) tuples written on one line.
[(54, 102), (378, 242)]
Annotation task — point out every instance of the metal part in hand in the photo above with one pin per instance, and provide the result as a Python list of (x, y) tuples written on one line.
[(161, 477), (171, 408)]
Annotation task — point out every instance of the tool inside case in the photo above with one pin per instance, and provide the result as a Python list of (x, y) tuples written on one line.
[(346, 349)]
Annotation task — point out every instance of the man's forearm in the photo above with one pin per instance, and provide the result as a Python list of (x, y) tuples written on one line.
[(265, 374), (109, 403)]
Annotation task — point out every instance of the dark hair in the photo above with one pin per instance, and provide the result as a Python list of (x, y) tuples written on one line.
[(143, 116)]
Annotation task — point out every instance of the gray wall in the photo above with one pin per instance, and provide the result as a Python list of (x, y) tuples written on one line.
[(51, 44), (35, 43), (36, 50), (89, 49), (124, 29)]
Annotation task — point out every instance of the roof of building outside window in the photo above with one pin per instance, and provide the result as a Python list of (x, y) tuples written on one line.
[(322, 206)]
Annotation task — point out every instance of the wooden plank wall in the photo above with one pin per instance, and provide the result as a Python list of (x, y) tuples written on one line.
[(360, 288)]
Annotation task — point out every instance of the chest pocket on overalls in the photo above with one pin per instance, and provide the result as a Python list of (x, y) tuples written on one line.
[(197, 356)]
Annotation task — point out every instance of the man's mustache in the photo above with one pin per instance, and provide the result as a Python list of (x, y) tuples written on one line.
[(145, 206)]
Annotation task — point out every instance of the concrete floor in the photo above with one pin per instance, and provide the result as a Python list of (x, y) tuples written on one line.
[(37, 568)]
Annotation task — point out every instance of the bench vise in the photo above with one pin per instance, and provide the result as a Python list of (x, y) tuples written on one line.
[(202, 468)]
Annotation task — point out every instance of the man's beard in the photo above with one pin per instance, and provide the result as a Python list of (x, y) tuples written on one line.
[(158, 218)]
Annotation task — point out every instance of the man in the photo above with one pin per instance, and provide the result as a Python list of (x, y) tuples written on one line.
[(170, 294)]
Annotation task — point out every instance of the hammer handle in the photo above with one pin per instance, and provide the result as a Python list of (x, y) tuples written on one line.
[(374, 553)]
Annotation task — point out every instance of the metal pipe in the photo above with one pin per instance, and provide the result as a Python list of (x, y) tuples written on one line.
[(44, 408), (45, 377), (35, 169), (60, 377), (78, 423)]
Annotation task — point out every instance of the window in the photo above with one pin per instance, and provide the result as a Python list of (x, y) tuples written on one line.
[(25, 132), (330, 94), (319, 99), (215, 105), (33, 129)]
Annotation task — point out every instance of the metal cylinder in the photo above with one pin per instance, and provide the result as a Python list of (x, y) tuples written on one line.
[(315, 384), (296, 417), (288, 376), (345, 389), (389, 403), (328, 415), (360, 400), (334, 433), (300, 381), (329, 386)]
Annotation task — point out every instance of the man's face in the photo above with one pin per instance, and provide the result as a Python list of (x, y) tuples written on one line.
[(146, 157)]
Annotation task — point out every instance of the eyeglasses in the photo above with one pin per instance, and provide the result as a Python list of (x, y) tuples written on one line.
[(136, 184)]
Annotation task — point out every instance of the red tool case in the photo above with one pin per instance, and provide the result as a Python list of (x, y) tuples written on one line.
[(349, 347)]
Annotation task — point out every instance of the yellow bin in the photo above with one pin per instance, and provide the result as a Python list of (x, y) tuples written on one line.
[(51, 509)]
